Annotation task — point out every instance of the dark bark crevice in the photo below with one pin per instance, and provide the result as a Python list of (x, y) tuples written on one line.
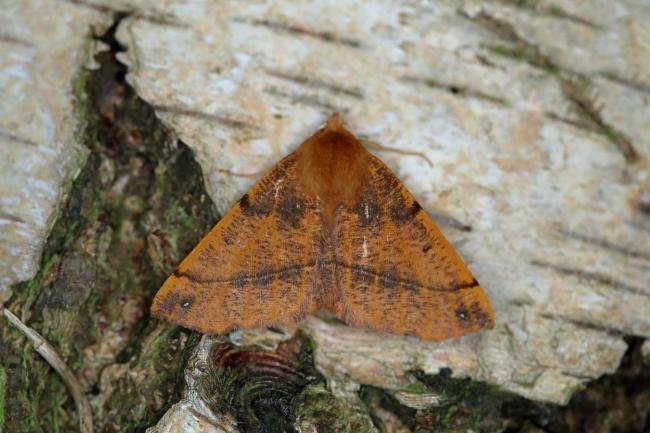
[(135, 209)]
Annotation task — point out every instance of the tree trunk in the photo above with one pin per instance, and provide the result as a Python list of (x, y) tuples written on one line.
[(129, 128)]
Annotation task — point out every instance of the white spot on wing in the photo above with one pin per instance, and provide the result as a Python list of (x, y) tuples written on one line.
[(278, 186)]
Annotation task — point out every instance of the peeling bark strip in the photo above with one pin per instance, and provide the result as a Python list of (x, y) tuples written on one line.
[(298, 30), (317, 83), (604, 244), (591, 276), (222, 120), (260, 387), (329, 227)]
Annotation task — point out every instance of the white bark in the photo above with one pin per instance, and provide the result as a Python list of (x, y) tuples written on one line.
[(519, 149), (41, 59)]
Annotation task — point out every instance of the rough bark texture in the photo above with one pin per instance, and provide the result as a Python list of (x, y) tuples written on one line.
[(520, 126), (127, 222), (39, 150), (506, 123)]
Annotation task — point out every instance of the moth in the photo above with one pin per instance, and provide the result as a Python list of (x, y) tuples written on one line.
[(328, 227)]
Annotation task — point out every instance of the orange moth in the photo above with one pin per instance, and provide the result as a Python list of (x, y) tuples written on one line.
[(328, 227)]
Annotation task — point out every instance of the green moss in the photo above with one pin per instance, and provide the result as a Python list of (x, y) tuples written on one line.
[(463, 405), (418, 387), (509, 52), (82, 112), (571, 391), (466, 404), (316, 409), (26, 397), (3, 396), (186, 223), (53, 419), (375, 398), (612, 135), (97, 275)]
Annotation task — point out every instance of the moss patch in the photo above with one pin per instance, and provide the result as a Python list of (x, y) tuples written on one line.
[(137, 206), (462, 405), (318, 410)]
